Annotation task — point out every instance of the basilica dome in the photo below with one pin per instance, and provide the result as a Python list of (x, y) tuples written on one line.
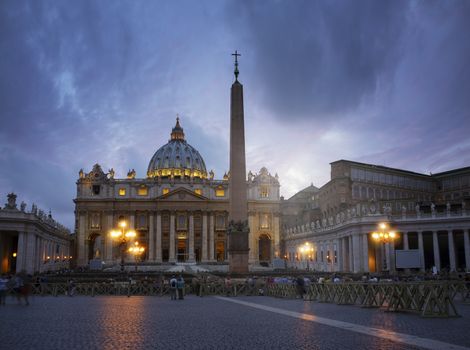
[(177, 158)]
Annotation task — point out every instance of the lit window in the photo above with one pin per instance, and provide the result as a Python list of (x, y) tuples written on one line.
[(264, 193), (95, 220), (220, 192), (122, 191), (142, 191), (198, 191), (264, 221), (165, 190)]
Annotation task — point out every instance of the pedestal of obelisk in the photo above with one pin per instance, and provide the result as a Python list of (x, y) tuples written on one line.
[(238, 230)]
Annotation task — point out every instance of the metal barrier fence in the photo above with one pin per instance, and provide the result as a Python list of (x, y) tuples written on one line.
[(429, 299)]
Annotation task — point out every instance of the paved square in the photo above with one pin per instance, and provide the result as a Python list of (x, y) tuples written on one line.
[(210, 323)]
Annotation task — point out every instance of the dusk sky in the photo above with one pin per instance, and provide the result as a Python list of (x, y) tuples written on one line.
[(81, 82)]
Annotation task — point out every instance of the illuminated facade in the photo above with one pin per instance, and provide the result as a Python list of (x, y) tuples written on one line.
[(429, 213), (179, 210)]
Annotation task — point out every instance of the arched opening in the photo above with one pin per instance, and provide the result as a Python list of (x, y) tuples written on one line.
[(95, 249), (264, 248)]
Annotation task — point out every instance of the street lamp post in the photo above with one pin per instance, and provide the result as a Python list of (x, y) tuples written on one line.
[(137, 251), (384, 236), (122, 236), (308, 250)]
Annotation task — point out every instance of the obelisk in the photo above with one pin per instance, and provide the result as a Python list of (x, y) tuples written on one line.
[(238, 229)]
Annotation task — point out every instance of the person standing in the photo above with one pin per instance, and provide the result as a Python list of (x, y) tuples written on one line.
[(173, 283), (180, 287), (3, 288)]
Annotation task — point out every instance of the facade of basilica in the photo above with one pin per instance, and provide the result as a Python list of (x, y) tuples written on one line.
[(179, 211)]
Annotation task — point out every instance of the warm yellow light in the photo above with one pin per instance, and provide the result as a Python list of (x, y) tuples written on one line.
[(383, 226), (115, 233), (306, 243), (14, 254), (142, 191), (70, 257), (381, 234), (122, 223), (375, 235), (219, 193), (198, 191), (392, 234), (122, 191), (48, 257), (142, 249), (165, 190), (130, 234), (301, 249)]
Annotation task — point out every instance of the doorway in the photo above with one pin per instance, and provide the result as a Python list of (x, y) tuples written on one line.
[(181, 253), (220, 251), (264, 248)]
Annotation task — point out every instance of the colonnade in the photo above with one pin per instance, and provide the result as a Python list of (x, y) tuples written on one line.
[(40, 253), (357, 252)]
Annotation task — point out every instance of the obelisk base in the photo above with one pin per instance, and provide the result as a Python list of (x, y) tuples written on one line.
[(238, 261), (238, 246)]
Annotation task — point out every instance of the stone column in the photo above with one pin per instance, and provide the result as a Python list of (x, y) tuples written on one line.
[(350, 254), (211, 237), (435, 244), (204, 237), (251, 238), (132, 221), (172, 238), (405, 241), (30, 257), (340, 255), (158, 244), (344, 253), (81, 241), (466, 245), (191, 238), (21, 252), (450, 238), (365, 252), (108, 239), (151, 255), (356, 253), (421, 250), (391, 256), (276, 236)]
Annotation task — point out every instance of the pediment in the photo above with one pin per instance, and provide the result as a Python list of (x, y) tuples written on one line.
[(182, 194)]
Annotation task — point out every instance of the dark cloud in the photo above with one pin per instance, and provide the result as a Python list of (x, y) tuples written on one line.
[(318, 59), (83, 81)]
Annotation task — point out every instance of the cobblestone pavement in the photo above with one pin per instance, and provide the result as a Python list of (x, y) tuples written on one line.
[(110, 322)]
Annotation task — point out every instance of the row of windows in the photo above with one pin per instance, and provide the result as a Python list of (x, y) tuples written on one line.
[(362, 192), (358, 174), (456, 182), (143, 191)]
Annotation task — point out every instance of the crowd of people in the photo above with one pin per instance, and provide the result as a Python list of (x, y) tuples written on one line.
[(19, 285)]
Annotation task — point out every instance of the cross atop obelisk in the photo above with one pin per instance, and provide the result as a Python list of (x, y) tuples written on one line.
[(236, 54)]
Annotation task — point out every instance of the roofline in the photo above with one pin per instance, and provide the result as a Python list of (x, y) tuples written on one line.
[(381, 167), (449, 172)]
